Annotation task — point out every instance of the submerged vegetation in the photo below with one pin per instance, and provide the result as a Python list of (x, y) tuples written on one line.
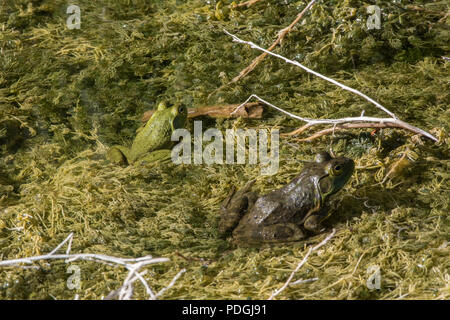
[(67, 95)]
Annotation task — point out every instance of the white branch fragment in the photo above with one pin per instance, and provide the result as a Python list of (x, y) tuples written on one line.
[(390, 121), (288, 281), (126, 291), (131, 264), (170, 284), (319, 121), (300, 281), (69, 238), (298, 64), (393, 120)]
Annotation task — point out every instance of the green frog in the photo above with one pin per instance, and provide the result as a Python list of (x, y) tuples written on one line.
[(288, 213), (154, 138)]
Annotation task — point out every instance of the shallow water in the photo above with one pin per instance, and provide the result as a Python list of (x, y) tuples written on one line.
[(72, 93)]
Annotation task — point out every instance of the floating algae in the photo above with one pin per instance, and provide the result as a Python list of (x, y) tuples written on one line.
[(79, 91)]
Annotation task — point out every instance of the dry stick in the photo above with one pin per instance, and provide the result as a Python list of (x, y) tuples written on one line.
[(277, 292), (380, 122), (300, 281), (132, 264), (252, 110), (171, 283), (341, 127), (298, 64), (298, 131), (341, 279), (126, 291), (391, 122), (258, 59)]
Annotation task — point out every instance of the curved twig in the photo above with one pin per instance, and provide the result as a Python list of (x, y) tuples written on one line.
[(261, 57), (343, 123), (393, 122), (301, 263), (298, 64), (131, 264), (372, 125)]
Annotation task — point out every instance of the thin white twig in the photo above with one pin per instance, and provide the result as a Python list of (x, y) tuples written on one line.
[(82, 256), (286, 284), (170, 284), (343, 86), (393, 120), (69, 245), (396, 122), (126, 291), (131, 264), (69, 237), (299, 281)]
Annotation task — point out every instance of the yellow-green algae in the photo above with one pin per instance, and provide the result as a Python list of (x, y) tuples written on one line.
[(76, 92)]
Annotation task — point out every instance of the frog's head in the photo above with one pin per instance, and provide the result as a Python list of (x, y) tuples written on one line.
[(178, 114), (336, 173)]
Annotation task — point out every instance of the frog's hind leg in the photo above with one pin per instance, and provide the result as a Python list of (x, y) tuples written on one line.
[(235, 206)]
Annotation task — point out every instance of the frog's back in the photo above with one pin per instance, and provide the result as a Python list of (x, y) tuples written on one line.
[(155, 135), (290, 203), (285, 214)]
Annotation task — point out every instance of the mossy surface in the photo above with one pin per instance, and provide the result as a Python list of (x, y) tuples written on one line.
[(77, 92)]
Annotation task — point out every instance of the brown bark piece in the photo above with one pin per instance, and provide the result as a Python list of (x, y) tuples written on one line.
[(252, 110)]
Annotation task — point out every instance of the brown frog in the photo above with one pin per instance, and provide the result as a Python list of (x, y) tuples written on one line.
[(284, 214)]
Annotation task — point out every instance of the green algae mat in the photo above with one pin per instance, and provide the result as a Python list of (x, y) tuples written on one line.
[(69, 93)]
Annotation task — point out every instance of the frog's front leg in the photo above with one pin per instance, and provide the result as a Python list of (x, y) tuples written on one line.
[(118, 154), (282, 232), (313, 222)]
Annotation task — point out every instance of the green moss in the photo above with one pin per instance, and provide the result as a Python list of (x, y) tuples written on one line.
[(76, 92)]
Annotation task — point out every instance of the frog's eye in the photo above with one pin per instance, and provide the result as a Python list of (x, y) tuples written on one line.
[(334, 169), (337, 170), (181, 109)]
